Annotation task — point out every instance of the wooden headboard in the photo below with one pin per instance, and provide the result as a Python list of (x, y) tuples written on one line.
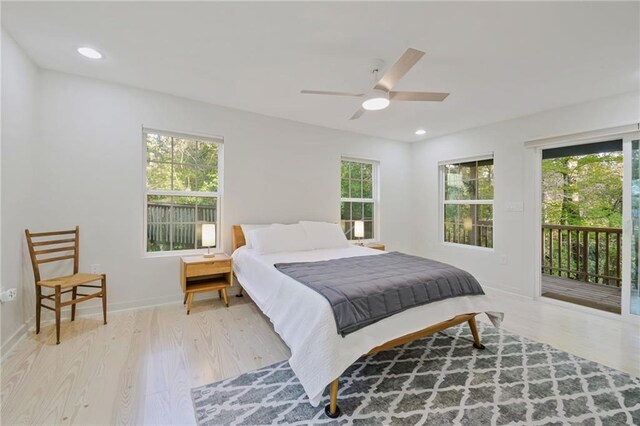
[(237, 237)]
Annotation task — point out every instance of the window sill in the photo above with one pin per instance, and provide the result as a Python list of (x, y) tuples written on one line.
[(468, 246), (181, 253)]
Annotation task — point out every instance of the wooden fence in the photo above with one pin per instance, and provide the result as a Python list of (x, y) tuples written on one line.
[(582, 253), (185, 223)]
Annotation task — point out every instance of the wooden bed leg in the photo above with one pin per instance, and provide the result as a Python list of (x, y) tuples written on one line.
[(474, 331), (332, 410)]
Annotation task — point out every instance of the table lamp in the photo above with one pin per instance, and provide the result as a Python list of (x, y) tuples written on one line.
[(209, 238), (358, 230)]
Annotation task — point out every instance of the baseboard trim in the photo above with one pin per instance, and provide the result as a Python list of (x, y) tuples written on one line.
[(90, 311), (13, 341)]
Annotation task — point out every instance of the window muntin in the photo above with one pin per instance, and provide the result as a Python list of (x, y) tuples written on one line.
[(182, 190), (358, 196), (468, 202)]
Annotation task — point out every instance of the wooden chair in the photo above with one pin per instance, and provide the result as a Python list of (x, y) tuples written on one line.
[(69, 283)]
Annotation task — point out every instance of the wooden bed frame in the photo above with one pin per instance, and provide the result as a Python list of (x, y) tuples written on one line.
[(332, 410)]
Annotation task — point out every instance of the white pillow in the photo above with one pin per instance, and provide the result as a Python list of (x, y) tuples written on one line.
[(276, 239), (246, 230), (325, 235)]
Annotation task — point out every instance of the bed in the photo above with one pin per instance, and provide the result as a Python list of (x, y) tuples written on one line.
[(305, 320)]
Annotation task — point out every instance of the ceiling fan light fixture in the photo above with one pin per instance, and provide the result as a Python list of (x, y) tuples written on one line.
[(376, 100)]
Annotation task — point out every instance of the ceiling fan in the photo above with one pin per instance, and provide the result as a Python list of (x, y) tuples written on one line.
[(381, 94)]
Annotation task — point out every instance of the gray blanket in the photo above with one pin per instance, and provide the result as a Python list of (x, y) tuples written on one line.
[(363, 290)]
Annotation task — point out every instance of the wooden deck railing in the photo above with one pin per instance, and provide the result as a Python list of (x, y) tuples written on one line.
[(582, 253)]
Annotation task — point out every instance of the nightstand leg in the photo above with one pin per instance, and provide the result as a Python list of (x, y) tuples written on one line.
[(224, 295), (189, 300), (184, 302)]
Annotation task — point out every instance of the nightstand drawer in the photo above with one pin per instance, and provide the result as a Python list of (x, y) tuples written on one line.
[(203, 269)]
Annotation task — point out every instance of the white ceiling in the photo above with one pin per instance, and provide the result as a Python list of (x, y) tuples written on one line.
[(498, 60)]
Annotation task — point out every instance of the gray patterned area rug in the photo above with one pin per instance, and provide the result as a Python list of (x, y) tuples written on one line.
[(438, 380)]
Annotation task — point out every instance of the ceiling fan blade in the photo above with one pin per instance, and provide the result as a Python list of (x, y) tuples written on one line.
[(418, 96), (399, 69), (357, 114), (324, 92)]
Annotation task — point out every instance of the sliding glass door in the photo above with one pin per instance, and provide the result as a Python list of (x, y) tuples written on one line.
[(631, 269)]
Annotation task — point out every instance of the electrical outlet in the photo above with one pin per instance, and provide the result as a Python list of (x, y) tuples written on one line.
[(95, 268), (503, 259), (8, 295)]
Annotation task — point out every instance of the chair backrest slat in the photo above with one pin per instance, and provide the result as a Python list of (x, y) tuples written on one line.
[(50, 234), (55, 259), (54, 250), (36, 258), (52, 242)]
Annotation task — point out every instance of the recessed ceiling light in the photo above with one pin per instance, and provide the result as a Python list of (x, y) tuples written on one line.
[(89, 52), (420, 132)]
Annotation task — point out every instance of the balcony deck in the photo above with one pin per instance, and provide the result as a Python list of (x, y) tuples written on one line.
[(605, 298)]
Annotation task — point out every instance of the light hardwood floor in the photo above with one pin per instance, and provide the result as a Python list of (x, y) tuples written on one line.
[(140, 367)]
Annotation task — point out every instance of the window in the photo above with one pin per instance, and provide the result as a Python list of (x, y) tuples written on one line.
[(183, 187), (468, 202), (359, 197)]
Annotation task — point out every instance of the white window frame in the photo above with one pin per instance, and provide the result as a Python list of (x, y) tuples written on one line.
[(375, 192), (219, 140), (443, 202)]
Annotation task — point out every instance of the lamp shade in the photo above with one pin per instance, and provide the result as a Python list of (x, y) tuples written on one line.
[(208, 234), (358, 229)]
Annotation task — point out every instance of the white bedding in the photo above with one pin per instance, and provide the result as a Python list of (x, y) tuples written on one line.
[(304, 319)]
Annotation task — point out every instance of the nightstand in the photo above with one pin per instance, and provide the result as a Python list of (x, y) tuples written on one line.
[(377, 246), (199, 274)]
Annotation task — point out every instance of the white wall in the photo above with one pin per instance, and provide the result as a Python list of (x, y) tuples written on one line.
[(275, 170), (514, 168), (19, 135)]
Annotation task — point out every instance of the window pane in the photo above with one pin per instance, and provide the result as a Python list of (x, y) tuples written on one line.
[(367, 189), (207, 209), (347, 228), (368, 211), (158, 209), (357, 211), (184, 177), (184, 209), (469, 224), (185, 151), (158, 237), (207, 179), (367, 172), (485, 180), (208, 155), (345, 210), (356, 188), (159, 176), (184, 236), (344, 188), (368, 230), (356, 170), (158, 148)]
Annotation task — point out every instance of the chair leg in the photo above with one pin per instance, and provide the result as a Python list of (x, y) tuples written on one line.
[(38, 307), (74, 292), (104, 298), (58, 309)]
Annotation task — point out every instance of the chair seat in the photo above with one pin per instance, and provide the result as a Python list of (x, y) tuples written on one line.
[(70, 280)]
